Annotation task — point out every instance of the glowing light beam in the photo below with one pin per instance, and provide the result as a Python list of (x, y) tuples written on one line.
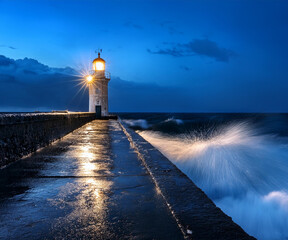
[(89, 78)]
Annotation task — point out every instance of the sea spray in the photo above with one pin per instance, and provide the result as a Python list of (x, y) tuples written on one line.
[(139, 123), (172, 119), (243, 171)]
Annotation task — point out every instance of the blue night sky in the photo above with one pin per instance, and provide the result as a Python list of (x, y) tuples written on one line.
[(164, 56)]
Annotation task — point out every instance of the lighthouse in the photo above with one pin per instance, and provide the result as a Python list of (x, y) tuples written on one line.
[(98, 88)]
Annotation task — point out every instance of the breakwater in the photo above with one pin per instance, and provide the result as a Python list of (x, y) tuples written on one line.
[(21, 134), (93, 176), (196, 215)]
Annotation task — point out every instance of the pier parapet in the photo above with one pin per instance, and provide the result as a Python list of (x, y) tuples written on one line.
[(23, 133)]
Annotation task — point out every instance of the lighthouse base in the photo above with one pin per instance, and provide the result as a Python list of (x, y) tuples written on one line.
[(98, 111)]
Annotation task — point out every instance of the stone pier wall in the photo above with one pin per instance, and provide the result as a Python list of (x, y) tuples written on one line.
[(21, 134), (196, 215)]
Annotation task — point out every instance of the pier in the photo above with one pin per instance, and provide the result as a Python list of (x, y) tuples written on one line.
[(103, 181)]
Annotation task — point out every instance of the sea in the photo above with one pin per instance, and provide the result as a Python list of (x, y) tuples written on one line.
[(239, 160)]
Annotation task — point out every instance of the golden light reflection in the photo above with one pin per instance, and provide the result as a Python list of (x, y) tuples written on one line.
[(88, 167), (92, 182), (87, 164), (86, 195), (85, 151), (88, 200)]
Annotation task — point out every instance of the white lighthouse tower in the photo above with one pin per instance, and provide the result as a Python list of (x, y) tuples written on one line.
[(98, 88)]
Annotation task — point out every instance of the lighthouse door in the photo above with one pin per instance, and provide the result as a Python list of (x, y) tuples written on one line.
[(98, 111)]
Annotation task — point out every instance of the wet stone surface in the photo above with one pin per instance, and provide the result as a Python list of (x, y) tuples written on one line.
[(21, 134), (88, 185)]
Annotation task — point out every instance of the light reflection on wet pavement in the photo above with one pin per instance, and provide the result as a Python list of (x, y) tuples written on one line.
[(89, 185)]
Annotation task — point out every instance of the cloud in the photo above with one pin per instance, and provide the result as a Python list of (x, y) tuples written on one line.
[(6, 46), (23, 68), (186, 68), (30, 85), (130, 24), (171, 29), (200, 47), (26, 83), (5, 61), (169, 51)]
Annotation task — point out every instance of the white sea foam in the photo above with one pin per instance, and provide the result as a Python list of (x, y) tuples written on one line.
[(246, 174), (174, 120), (137, 123)]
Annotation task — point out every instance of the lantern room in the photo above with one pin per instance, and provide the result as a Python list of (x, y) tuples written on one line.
[(98, 64)]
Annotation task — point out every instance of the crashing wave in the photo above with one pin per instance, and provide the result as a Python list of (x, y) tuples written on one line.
[(245, 173), (140, 123)]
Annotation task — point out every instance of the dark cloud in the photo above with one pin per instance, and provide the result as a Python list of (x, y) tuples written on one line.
[(173, 30), (169, 51), (130, 24), (165, 23), (28, 84), (169, 26), (29, 72), (6, 46), (186, 68), (201, 47), (5, 61), (29, 66)]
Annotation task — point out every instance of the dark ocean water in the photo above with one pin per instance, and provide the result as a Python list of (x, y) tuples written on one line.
[(239, 160)]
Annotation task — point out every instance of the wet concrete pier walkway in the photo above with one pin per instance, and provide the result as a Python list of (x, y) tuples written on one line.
[(88, 185)]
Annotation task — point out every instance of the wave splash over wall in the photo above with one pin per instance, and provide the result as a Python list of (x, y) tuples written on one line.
[(243, 171), (141, 123)]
